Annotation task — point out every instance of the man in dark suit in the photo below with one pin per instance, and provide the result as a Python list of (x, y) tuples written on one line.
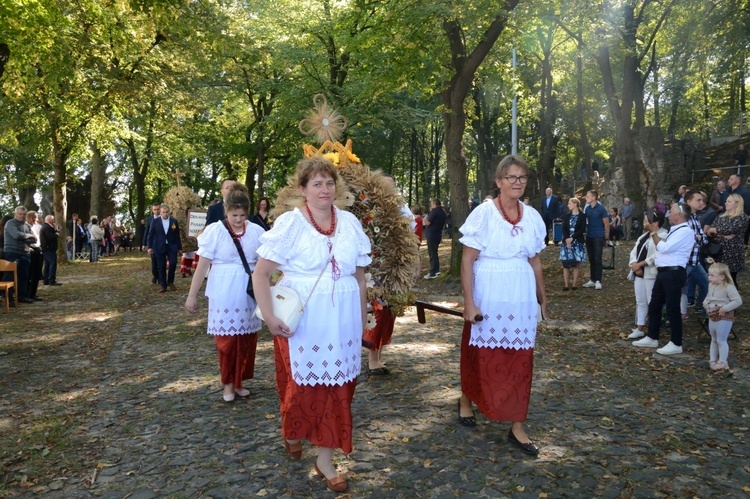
[(155, 209), (216, 211), (550, 211), (433, 233), (164, 241)]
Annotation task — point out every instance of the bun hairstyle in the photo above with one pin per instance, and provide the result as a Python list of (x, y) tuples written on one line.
[(237, 198)]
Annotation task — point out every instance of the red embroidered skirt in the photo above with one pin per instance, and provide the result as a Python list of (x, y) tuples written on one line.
[(236, 357), (497, 380), (320, 414), (380, 335)]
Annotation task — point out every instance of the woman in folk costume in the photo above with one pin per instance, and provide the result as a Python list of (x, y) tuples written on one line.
[(501, 276), (230, 309), (322, 252)]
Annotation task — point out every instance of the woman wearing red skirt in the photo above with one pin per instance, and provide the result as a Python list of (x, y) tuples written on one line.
[(322, 252), (501, 275)]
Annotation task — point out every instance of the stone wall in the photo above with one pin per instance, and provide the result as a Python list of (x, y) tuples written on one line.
[(662, 168)]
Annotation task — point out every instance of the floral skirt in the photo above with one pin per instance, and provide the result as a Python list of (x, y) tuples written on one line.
[(570, 257)]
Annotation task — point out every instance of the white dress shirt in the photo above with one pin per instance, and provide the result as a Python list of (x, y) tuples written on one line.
[(675, 249)]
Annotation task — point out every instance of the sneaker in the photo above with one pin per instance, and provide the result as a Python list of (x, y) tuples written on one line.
[(721, 365), (430, 276), (690, 303), (437, 274), (714, 365), (589, 284), (598, 285), (669, 349), (636, 333), (646, 342), (684, 316)]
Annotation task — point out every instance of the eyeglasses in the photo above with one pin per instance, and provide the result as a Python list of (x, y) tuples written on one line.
[(515, 178)]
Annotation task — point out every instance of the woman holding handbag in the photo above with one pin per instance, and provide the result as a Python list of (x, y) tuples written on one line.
[(230, 308), (322, 252), (643, 270), (573, 249)]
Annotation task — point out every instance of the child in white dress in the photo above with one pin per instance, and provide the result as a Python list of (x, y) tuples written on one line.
[(720, 303)]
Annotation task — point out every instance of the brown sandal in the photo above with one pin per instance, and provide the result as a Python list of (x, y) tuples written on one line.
[(337, 484), (294, 450)]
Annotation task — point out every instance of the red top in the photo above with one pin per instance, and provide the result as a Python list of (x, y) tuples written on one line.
[(418, 228)]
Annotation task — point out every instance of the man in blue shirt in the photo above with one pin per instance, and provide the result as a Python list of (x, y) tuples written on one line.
[(597, 234)]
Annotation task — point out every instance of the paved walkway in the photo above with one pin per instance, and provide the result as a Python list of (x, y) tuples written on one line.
[(612, 421)]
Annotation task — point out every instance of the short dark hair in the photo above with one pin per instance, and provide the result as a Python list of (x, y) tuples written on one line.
[(507, 162)]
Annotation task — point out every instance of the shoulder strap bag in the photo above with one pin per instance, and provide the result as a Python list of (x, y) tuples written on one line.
[(287, 305), (236, 242)]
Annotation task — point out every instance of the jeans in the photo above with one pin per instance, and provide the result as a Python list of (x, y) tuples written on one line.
[(667, 291), (594, 248), (432, 250), (24, 265), (696, 276), (49, 275), (95, 250)]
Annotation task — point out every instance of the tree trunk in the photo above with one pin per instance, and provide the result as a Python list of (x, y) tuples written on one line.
[(453, 97), (97, 179), (547, 118), (625, 157), (588, 152)]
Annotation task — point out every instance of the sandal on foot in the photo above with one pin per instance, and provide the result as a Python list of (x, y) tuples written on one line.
[(294, 450), (337, 484), (379, 371), (466, 421)]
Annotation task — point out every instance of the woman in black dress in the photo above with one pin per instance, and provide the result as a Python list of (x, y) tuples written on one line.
[(261, 217)]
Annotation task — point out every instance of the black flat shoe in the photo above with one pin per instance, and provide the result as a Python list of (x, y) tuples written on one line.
[(466, 421), (529, 448), (379, 371)]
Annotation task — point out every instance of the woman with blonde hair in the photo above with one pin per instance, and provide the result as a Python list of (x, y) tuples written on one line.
[(573, 248), (730, 229), (322, 252)]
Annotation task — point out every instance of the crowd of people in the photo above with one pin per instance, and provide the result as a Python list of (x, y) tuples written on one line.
[(692, 246), (97, 238)]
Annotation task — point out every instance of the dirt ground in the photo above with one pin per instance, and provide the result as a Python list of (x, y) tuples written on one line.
[(76, 375)]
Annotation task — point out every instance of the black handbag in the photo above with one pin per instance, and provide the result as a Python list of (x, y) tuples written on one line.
[(236, 242), (713, 249)]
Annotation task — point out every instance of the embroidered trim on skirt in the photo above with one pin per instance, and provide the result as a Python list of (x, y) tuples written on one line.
[(497, 380), (321, 414)]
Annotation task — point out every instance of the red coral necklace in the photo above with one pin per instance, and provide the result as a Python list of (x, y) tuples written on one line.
[(315, 224), (505, 215), (235, 234)]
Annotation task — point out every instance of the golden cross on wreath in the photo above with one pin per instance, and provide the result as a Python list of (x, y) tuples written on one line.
[(178, 175)]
